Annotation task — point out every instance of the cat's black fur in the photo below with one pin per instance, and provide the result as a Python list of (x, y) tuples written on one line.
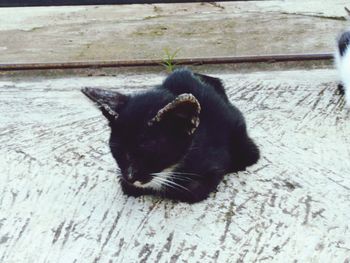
[(344, 42), (146, 140)]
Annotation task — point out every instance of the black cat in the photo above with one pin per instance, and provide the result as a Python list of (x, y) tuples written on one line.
[(178, 139)]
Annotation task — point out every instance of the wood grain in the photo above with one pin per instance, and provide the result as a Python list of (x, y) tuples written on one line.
[(129, 32), (60, 200)]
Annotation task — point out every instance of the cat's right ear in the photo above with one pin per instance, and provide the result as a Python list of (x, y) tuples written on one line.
[(183, 112), (109, 102)]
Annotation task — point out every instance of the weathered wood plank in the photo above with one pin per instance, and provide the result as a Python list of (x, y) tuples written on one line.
[(61, 202), (126, 32)]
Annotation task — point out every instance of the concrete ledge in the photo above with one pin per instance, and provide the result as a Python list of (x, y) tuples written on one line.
[(61, 34)]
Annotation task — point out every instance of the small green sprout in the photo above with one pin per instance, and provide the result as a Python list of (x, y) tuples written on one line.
[(168, 61)]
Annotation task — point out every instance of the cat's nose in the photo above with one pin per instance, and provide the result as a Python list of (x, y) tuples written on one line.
[(130, 175), (130, 178)]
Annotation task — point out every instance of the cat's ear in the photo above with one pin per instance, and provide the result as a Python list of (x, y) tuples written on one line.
[(109, 102), (182, 113)]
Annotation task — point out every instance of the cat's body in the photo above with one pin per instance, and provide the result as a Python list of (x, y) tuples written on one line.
[(342, 59), (178, 139)]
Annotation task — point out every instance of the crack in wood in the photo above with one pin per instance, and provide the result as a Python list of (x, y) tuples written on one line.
[(145, 252), (228, 219), (307, 203), (166, 247), (57, 232)]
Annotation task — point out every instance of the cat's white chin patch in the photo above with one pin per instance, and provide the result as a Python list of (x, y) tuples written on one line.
[(159, 179), (151, 184), (138, 184)]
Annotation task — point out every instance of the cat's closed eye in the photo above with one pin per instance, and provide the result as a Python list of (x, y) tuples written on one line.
[(153, 148)]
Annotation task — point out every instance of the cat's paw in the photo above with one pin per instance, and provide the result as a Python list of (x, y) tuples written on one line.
[(192, 193), (196, 198), (197, 192)]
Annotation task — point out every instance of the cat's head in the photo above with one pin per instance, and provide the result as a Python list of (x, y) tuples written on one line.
[(150, 132)]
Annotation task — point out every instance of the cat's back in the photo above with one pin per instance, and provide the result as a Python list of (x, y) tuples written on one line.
[(201, 86), (221, 135)]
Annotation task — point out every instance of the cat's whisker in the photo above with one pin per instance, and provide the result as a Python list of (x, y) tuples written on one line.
[(192, 174), (164, 183), (176, 173), (162, 174), (169, 182), (160, 180), (179, 177), (166, 176), (184, 173), (173, 176), (158, 185), (171, 186)]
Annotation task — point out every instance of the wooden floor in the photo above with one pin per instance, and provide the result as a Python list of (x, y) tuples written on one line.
[(60, 200)]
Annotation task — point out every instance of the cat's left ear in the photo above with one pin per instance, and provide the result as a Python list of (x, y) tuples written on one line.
[(182, 113), (109, 102)]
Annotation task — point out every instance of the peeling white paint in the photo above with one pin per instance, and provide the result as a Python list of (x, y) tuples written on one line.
[(61, 200)]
